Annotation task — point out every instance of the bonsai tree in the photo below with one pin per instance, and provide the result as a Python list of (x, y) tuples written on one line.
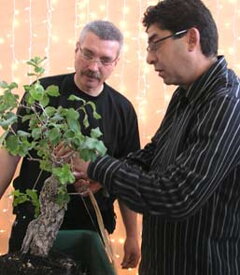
[(47, 128)]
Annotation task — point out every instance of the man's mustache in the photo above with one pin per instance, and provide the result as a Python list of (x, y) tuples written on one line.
[(91, 74)]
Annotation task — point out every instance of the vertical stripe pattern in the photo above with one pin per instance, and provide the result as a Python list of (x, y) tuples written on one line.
[(186, 182)]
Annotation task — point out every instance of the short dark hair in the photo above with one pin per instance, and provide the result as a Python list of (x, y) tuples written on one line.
[(177, 15)]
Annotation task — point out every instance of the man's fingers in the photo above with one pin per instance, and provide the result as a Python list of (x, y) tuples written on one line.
[(63, 152), (79, 175)]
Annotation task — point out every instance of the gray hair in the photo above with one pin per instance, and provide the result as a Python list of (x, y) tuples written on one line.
[(105, 30)]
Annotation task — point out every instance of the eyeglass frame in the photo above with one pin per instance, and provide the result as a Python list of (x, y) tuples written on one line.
[(153, 46), (92, 59)]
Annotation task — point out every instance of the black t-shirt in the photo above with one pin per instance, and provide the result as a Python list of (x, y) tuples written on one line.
[(119, 126)]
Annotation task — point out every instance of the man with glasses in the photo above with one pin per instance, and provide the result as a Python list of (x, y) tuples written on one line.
[(96, 55), (186, 180)]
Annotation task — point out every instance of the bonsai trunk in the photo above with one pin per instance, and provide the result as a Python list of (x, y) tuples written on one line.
[(42, 231)]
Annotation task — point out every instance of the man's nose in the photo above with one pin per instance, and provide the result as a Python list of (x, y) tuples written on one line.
[(94, 65), (151, 57)]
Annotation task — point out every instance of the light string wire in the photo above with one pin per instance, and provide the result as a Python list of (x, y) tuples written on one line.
[(122, 70), (30, 29), (14, 60), (141, 75), (49, 35)]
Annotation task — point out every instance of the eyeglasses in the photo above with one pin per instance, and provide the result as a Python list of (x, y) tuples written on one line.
[(102, 61), (153, 46)]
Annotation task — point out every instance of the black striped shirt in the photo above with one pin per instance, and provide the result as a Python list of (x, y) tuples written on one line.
[(186, 182)]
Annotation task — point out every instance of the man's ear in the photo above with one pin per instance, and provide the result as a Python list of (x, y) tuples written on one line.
[(193, 37), (77, 46), (116, 61)]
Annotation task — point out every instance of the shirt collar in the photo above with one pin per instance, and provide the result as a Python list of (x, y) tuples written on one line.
[(202, 84)]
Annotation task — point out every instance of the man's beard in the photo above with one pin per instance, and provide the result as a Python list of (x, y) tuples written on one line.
[(91, 74)]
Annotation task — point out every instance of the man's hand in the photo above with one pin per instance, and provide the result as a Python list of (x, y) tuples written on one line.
[(131, 246), (79, 167), (63, 153), (83, 186), (131, 253), (66, 154)]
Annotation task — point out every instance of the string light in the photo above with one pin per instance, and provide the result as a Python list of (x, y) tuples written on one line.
[(30, 29), (49, 33), (12, 46)]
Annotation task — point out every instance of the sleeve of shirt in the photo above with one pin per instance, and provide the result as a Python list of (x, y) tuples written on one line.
[(212, 150)]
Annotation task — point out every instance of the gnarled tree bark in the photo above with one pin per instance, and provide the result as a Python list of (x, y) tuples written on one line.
[(42, 231)]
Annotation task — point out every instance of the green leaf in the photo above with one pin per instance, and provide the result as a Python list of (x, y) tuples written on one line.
[(30, 195), (71, 114), (69, 134), (73, 125), (19, 197), (36, 133), (3, 84), (44, 101), (96, 133), (74, 138), (18, 146), (73, 97), (34, 123), (90, 143), (37, 91), (35, 61), (27, 117), (8, 101), (95, 114), (50, 111), (54, 135), (12, 86), (64, 174), (87, 155), (33, 197), (95, 148), (101, 148), (85, 120), (53, 90), (39, 70), (62, 197), (27, 88), (23, 133), (9, 119), (12, 144), (45, 165), (29, 99)]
